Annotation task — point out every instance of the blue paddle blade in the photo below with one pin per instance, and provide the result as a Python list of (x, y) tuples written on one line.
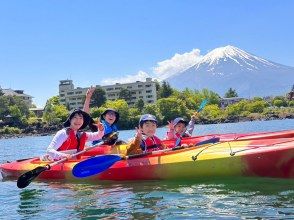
[(202, 105), (208, 141), (94, 165)]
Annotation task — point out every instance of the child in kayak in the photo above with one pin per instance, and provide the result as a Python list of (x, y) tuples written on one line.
[(179, 127), (71, 139), (108, 118), (145, 139)]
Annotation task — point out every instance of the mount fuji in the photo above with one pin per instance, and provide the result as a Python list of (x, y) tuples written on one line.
[(230, 66)]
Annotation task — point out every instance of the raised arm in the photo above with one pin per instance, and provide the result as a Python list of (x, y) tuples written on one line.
[(89, 94), (191, 124)]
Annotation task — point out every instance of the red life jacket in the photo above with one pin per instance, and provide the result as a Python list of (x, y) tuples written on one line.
[(151, 144), (74, 141)]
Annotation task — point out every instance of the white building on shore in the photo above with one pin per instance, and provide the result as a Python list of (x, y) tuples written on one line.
[(74, 97), (19, 93)]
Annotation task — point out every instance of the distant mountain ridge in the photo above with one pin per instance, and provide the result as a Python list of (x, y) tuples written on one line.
[(230, 66)]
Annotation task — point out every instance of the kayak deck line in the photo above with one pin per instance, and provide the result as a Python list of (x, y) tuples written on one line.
[(267, 157)]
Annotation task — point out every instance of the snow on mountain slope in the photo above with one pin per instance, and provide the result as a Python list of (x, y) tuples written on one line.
[(230, 66)]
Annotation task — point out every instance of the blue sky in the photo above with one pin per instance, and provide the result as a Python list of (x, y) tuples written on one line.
[(96, 42)]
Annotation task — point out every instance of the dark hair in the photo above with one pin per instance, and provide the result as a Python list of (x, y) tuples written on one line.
[(87, 118)]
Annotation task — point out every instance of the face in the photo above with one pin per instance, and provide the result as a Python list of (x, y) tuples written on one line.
[(76, 122), (110, 117), (149, 128), (180, 128)]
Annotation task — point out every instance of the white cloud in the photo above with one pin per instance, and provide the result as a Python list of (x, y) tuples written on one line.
[(140, 76), (163, 70), (176, 64)]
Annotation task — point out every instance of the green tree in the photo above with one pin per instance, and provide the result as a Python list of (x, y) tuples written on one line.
[(54, 112), (157, 86), (279, 101), (4, 106), (140, 104), (16, 115), (212, 97), (134, 116), (211, 112), (125, 94), (1, 92), (14, 106), (54, 100), (232, 111), (98, 98), (187, 96), (170, 108), (257, 98), (23, 107), (256, 106), (236, 109), (165, 90), (291, 103), (153, 110), (231, 93)]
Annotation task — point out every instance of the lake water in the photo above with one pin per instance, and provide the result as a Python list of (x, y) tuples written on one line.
[(229, 198)]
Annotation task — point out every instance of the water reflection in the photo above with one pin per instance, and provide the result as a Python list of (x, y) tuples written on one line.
[(30, 202), (227, 198)]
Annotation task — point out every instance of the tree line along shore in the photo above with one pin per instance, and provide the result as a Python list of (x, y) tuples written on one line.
[(16, 120)]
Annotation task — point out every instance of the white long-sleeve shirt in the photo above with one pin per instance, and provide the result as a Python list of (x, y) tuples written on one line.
[(60, 137)]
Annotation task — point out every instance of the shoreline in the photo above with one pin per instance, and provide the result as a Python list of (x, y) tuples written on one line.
[(47, 131)]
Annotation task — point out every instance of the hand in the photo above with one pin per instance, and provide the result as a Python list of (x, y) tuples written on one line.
[(164, 147), (138, 133), (99, 125), (170, 125), (195, 116), (90, 92), (67, 156), (184, 145)]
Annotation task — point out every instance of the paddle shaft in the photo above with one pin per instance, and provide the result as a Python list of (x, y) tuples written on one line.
[(151, 153), (202, 105), (96, 165), (74, 155), (26, 178), (208, 141)]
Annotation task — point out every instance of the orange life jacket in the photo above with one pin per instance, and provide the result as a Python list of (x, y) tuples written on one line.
[(74, 141)]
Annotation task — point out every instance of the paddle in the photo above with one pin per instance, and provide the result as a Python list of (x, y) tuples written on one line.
[(25, 179), (201, 107), (96, 165)]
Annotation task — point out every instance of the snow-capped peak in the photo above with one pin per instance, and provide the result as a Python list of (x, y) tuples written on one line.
[(237, 55)]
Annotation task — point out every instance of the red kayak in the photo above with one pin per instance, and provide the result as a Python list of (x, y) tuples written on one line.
[(268, 154)]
